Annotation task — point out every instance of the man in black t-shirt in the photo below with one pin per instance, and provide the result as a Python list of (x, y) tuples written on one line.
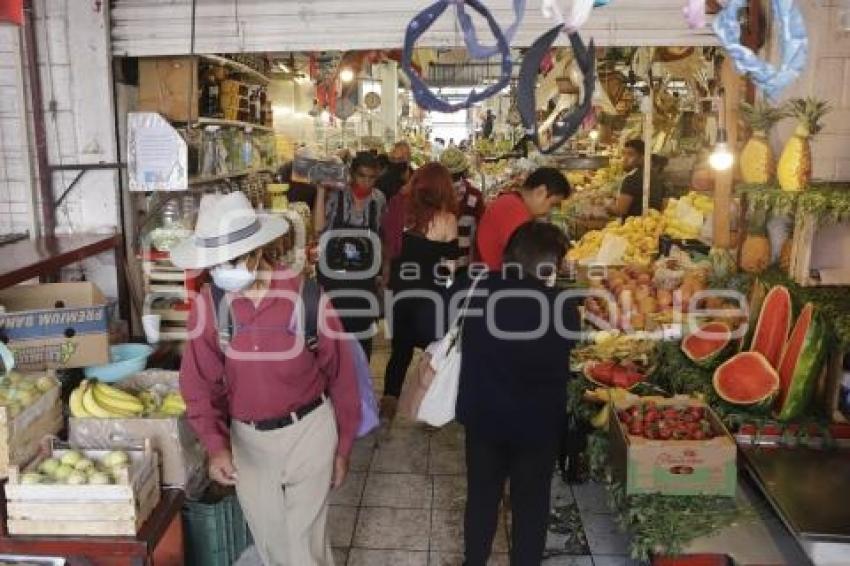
[(630, 200)]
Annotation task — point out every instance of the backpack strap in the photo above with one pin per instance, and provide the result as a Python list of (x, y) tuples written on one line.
[(223, 323), (310, 296), (339, 216), (373, 216)]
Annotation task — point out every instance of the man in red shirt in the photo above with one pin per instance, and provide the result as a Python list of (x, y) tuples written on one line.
[(542, 190)]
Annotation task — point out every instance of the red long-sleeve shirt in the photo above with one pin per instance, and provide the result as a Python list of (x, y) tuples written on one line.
[(239, 386)]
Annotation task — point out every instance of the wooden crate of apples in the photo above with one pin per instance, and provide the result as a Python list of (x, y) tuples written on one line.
[(30, 409), (83, 492)]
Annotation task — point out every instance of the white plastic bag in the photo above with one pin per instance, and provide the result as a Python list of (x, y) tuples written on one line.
[(438, 405)]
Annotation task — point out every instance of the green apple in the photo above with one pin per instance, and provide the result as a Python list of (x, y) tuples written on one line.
[(31, 478), (48, 466), (71, 457), (62, 472), (76, 478)]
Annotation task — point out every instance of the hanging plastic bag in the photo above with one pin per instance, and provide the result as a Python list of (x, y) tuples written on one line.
[(368, 404)]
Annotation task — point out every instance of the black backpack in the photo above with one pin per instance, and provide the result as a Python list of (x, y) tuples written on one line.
[(352, 253), (310, 295)]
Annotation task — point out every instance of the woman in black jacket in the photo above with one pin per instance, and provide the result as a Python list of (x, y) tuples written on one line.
[(512, 395)]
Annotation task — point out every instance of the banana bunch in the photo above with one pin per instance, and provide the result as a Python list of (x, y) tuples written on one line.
[(685, 216), (640, 232), (93, 399)]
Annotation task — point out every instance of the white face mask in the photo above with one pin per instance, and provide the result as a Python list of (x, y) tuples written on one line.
[(233, 279)]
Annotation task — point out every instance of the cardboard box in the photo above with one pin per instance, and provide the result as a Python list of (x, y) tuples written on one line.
[(55, 325), (169, 86), (181, 455), (674, 467)]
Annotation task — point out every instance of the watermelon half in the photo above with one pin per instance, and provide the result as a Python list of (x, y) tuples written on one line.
[(773, 325), (705, 345), (801, 365), (746, 379)]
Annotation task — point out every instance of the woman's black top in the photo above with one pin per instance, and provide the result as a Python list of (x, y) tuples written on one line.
[(419, 265)]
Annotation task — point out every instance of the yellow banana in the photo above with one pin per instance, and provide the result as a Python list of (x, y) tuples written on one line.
[(108, 391), (76, 401), (125, 403), (96, 410)]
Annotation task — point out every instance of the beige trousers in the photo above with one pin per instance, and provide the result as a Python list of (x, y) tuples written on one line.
[(283, 485)]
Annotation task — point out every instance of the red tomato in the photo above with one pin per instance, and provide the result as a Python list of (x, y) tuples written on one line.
[(665, 433), (624, 416), (698, 435)]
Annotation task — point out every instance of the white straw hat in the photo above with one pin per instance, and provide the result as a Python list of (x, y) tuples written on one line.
[(227, 227)]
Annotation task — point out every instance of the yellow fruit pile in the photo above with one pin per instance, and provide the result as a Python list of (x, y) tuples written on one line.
[(93, 399), (686, 216), (640, 232)]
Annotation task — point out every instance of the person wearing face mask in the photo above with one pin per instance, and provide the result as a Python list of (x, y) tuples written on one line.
[(398, 171), (544, 189), (276, 411), (513, 390), (350, 223)]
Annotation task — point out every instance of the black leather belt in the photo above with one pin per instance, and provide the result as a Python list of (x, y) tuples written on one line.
[(291, 418)]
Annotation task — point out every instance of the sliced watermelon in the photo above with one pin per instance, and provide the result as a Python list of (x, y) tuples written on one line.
[(705, 345), (801, 365), (746, 379), (773, 325)]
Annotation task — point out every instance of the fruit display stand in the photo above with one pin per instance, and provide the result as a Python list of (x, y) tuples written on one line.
[(108, 509), (21, 432), (181, 455)]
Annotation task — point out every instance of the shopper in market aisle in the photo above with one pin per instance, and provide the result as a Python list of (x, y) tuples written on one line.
[(470, 202), (630, 200), (543, 189), (350, 223), (398, 170), (513, 393), (277, 417), (419, 273)]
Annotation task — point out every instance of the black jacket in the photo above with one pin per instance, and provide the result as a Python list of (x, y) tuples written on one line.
[(514, 388)]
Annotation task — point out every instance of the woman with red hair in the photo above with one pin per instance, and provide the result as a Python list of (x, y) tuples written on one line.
[(419, 273)]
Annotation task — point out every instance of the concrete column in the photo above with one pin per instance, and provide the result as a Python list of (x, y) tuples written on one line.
[(389, 101)]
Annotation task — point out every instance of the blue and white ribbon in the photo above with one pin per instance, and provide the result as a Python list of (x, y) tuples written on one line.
[(467, 26), (793, 46), (423, 94)]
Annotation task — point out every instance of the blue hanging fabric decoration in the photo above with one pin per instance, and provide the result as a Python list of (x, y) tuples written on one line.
[(425, 98), (476, 50), (793, 46), (563, 128)]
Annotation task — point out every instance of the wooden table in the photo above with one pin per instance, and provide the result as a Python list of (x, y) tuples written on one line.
[(159, 543)]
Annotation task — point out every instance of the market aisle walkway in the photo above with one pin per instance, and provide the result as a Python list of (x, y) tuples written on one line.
[(403, 505)]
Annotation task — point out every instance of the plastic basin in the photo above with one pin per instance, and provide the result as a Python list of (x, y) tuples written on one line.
[(127, 359)]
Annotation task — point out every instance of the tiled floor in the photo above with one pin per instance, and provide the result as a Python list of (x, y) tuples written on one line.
[(403, 502)]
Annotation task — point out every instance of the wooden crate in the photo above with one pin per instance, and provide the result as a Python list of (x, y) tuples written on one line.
[(820, 253), (169, 86), (21, 435), (118, 509)]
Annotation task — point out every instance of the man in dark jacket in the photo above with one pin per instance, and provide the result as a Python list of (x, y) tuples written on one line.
[(512, 395)]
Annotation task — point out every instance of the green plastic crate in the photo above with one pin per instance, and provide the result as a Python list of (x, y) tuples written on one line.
[(215, 531)]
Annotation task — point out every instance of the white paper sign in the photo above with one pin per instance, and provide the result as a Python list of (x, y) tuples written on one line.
[(157, 156)]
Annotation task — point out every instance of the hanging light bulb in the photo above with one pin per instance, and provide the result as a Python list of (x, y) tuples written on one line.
[(721, 158), (593, 134), (346, 75)]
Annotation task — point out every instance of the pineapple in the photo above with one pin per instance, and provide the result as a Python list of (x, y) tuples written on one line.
[(755, 253), (795, 164), (758, 164)]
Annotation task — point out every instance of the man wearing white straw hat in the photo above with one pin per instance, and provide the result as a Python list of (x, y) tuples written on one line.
[(278, 414)]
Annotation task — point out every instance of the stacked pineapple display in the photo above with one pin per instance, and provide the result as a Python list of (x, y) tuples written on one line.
[(794, 170)]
